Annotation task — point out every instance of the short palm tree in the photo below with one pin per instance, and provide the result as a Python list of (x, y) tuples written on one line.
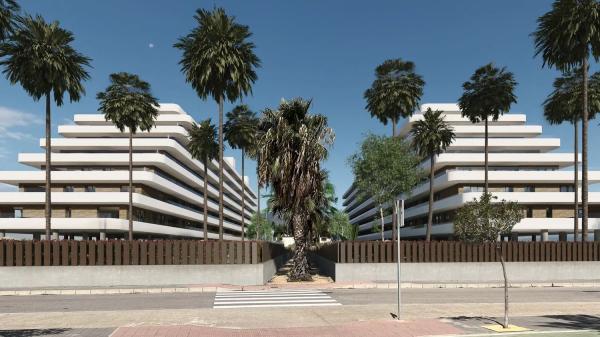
[(204, 146), (291, 150), (488, 94), (40, 57), (129, 104), (9, 12), (431, 136), (564, 105), (240, 132), (566, 37), (395, 93), (218, 61)]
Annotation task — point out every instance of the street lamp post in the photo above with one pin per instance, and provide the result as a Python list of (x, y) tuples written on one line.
[(399, 205)]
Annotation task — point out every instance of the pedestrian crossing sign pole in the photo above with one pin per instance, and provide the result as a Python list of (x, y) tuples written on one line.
[(399, 205)]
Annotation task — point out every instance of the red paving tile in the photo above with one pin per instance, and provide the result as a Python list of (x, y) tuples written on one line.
[(358, 329)]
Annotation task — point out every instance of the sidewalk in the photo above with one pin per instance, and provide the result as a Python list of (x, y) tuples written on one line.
[(378, 328), (211, 288)]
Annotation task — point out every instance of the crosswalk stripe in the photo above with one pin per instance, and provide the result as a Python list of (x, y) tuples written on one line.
[(272, 298)]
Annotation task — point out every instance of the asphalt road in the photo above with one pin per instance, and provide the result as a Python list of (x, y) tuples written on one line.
[(74, 303)]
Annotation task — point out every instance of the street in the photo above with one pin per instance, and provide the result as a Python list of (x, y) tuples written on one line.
[(460, 310)]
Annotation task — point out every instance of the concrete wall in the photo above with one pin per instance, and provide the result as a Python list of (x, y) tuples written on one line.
[(138, 276), (470, 272)]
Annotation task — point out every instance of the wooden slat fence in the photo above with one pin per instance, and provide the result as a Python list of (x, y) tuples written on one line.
[(138, 252), (456, 251)]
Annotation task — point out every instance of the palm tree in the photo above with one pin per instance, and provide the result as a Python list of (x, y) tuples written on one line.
[(431, 136), (240, 131), (218, 61), (395, 93), (291, 150), (566, 36), (39, 56), (9, 11), (204, 146), (488, 94), (129, 104), (563, 105)]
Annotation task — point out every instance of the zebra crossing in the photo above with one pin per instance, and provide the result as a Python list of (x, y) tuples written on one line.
[(272, 298)]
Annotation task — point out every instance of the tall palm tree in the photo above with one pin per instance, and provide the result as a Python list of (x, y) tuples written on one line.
[(240, 131), (39, 56), (218, 61), (291, 150), (9, 12), (254, 153), (431, 136), (566, 36), (564, 105), (204, 146), (129, 104), (488, 94), (395, 93)]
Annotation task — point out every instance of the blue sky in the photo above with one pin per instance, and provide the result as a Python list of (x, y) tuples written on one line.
[(323, 50)]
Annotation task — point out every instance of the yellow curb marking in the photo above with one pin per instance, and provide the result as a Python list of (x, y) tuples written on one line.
[(500, 328)]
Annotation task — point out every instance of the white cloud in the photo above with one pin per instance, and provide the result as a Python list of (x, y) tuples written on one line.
[(7, 188), (10, 118), (150, 45)]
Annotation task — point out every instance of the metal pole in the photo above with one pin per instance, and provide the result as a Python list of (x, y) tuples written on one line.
[(399, 205)]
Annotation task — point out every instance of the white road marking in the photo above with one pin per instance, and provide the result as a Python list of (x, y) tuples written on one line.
[(272, 298)]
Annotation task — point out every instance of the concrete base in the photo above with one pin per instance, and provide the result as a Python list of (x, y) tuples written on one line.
[(463, 272), (138, 276)]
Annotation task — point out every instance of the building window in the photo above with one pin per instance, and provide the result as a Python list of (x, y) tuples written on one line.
[(90, 188), (125, 188), (111, 213), (529, 189), (508, 189), (467, 189), (67, 213), (68, 189), (18, 212), (549, 212), (567, 188), (529, 212)]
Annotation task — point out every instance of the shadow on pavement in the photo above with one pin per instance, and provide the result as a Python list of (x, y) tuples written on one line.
[(479, 319), (33, 332), (572, 322)]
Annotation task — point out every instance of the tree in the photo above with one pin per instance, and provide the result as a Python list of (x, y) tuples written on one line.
[(340, 226), (563, 105), (129, 104), (9, 15), (566, 36), (204, 146), (484, 221), (324, 208), (431, 136), (488, 94), (260, 226), (240, 133), (218, 61), (291, 150), (384, 168), (39, 56), (395, 93)]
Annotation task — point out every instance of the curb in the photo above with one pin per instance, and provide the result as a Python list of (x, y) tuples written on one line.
[(215, 288)]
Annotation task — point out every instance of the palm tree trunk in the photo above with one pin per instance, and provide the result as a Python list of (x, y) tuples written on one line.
[(47, 206), (205, 225), (485, 188), (257, 191), (130, 185), (584, 153), (382, 223), (393, 127), (299, 270), (221, 168), (243, 195), (430, 213), (576, 185), (499, 252)]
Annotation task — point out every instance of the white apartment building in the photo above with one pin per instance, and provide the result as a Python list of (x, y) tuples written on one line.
[(523, 167), (90, 184)]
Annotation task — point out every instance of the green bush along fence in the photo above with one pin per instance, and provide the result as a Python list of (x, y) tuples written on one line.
[(456, 251), (138, 252)]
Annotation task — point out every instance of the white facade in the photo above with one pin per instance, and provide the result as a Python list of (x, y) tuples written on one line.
[(523, 168), (90, 183)]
